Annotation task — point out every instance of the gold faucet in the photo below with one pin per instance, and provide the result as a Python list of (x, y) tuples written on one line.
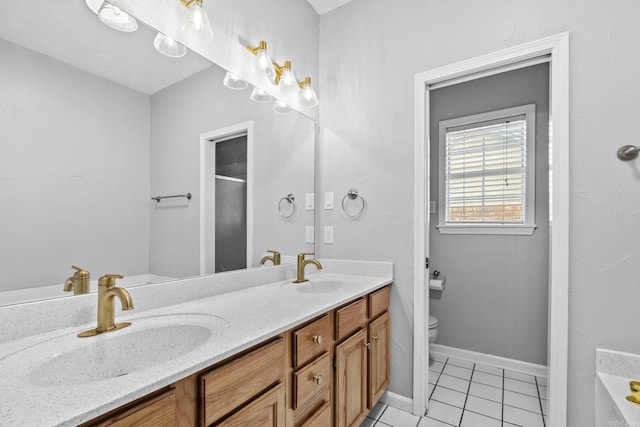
[(275, 258), (302, 263), (79, 282), (107, 291)]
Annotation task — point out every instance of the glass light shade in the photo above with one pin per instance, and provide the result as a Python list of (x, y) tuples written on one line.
[(232, 81), (281, 108), (288, 79), (307, 97), (258, 95), (265, 64), (196, 25), (115, 18), (168, 46)]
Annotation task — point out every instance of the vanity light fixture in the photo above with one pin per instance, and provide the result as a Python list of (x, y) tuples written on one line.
[(196, 25), (112, 16), (263, 61), (281, 108), (307, 97), (233, 81), (284, 75), (258, 95), (168, 46)]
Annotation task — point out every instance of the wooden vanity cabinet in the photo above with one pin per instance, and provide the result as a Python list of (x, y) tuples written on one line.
[(328, 372)]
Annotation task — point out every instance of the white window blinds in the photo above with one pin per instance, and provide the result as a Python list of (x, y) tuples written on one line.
[(485, 172)]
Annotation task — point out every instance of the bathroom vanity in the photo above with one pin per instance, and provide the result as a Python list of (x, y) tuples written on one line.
[(265, 352)]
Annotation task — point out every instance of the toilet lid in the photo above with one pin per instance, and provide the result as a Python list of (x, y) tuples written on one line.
[(433, 322)]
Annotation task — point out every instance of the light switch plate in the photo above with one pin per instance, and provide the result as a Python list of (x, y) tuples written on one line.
[(308, 204), (309, 234), (328, 200), (328, 234)]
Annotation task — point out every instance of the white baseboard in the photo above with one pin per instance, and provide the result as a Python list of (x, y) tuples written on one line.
[(489, 359), (397, 401)]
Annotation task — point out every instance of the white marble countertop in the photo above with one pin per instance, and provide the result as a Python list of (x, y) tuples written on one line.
[(615, 370), (249, 316)]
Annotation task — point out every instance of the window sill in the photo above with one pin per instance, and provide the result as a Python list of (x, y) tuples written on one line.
[(498, 229)]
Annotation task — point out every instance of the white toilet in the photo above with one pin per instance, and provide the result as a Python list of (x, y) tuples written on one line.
[(433, 329)]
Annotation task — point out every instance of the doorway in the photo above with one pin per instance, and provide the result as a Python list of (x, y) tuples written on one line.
[(556, 48)]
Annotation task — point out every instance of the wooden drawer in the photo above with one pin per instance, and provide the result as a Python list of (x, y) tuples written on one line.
[(236, 382), (378, 302), (312, 384), (311, 341), (322, 417), (159, 411), (351, 318), (267, 410)]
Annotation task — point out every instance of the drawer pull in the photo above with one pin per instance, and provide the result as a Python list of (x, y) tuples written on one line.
[(375, 338), (368, 345), (318, 379), (317, 339)]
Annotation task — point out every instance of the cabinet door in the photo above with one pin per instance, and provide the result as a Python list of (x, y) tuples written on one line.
[(266, 411), (157, 412), (379, 331), (351, 381)]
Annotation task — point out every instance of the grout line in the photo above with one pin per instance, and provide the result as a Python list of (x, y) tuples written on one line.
[(502, 406), (464, 405), (540, 401)]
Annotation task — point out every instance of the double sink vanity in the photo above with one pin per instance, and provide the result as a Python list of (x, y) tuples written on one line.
[(240, 348)]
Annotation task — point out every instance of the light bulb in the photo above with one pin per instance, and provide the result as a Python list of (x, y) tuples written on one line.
[(196, 25), (232, 81), (307, 97), (115, 18), (265, 64), (168, 46), (281, 108), (288, 79), (258, 95)]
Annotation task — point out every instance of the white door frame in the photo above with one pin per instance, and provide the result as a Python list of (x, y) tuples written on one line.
[(207, 197), (557, 47)]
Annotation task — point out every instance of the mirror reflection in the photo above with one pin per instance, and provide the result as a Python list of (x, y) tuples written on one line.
[(94, 127)]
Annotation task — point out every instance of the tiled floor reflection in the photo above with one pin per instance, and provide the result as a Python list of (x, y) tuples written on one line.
[(468, 394)]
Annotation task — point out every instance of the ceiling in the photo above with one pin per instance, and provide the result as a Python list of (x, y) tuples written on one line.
[(324, 6), (67, 30)]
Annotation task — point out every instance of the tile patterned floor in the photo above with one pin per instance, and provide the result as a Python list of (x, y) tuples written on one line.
[(468, 394)]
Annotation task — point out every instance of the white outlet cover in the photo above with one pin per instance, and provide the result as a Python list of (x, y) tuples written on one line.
[(309, 236), (328, 234)]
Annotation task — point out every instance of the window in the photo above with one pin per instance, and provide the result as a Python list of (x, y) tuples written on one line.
[(487, 173)]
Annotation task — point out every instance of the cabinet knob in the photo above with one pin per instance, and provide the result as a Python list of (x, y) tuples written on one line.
[(318, 379), (368, 345), (317, 339), (375, 338)]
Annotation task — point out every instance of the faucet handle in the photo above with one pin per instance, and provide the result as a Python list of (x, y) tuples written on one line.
[(109, 280)]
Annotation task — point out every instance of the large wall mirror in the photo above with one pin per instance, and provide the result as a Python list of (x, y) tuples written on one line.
[(95, 123)]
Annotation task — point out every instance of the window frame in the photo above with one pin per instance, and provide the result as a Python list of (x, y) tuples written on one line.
[(529, 226)]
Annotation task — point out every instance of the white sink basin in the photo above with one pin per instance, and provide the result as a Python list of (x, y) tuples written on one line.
[(320, 285), (148, 342)]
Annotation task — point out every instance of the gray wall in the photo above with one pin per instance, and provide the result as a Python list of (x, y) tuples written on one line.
[(495, 300), (68, 141), (369, 54), (284, 156)]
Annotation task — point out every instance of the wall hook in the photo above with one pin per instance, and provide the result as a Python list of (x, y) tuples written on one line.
[(628, 152)]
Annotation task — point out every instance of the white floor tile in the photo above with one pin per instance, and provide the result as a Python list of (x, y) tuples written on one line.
[(430, 422), (453, 383), (398, 418), (484, 407), (487, 379), (545, 406), (486, 392), (521, 417), (433, 377), (457, 371), (519, 376), (471, 419), (435, 366), (445, 413), (542, 380), (450, 397), (438, 357), (368, 422), (377, 411), (521, 387), (489, 369), (522, 401), (461, 362), (431, 388)]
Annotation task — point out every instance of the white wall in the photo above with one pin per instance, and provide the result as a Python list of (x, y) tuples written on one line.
[(369, 53), (68, 139), (284, 156), (495, 301)]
